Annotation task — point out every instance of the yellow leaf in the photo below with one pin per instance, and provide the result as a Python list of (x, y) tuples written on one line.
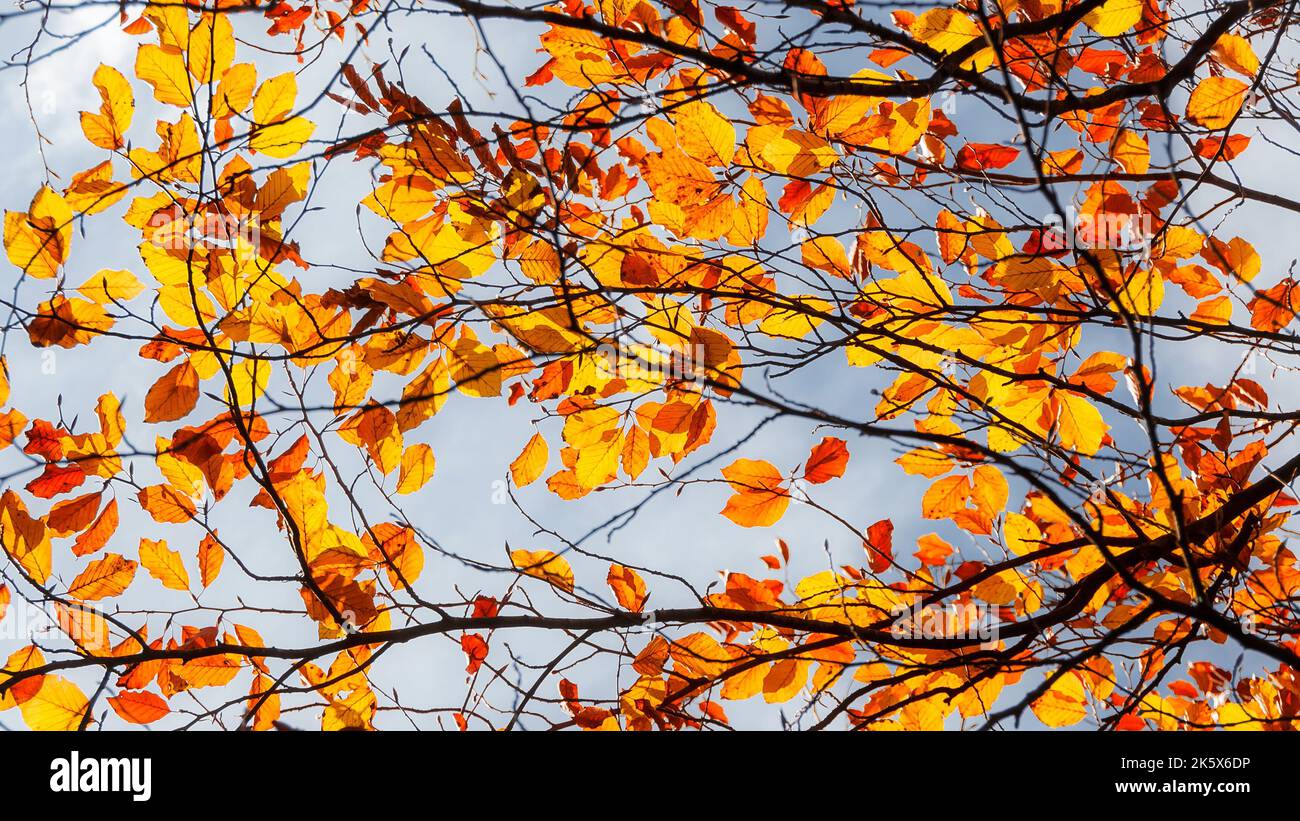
[(164, 564), (417, 468), (1080, 424), (104, 578), (475, 368), (107, 129), (38, 241), (544, 565), (1131, 151), (1235, 52), (945, 30), (1114, 17), (111, 286), (1063, 705), (283, 139), (164, 69), (275, 98), (211, 48), (249, 378), (1020, 534), (704, 134), (235, 90), (530, 462), (1215, 102), (58, 706)]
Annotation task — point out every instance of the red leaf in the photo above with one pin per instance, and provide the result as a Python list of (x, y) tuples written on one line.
[(827, 461), (880, 545), (1102, 62), (983, 156), (56, 480), (1209, 147), (476, 651)]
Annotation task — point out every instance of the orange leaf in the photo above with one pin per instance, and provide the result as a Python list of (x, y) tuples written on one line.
[(476, 651), (933, 549), (97, 535), (945, 498), (105, 577), (172, 396), (530, 462), (759, 499), (55, 480), (983, 156), (211, 556), (73, 515), (139, 708), (628, 587), (1210, 147), (827, 461), (165, 504)]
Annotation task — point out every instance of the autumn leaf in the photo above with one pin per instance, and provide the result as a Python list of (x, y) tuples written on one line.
[(164, 564), (163, 67), (759, 499), (107, 128), (173, 396), (544, 565), (827, 461), (1235, 52), (1114, 17), (211, 557), (880, 545), (1216, 102), (165, 504), (73, 515), (38, 241), (417, 468), (59, 705), (103, 578), (1080, 424), (1064, 703), (628, 587), (139, 707), (475, 648), (97, 535), (983, 156), (530, 462)]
